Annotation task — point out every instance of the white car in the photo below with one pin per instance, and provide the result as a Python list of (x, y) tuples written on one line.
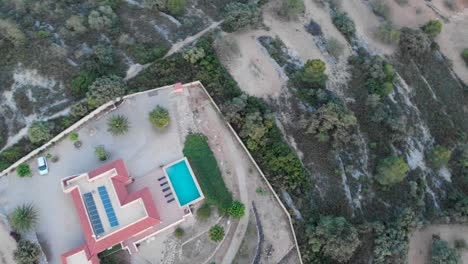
[(42, 166)]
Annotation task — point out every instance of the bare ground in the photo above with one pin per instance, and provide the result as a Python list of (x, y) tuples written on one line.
[(7, 244)]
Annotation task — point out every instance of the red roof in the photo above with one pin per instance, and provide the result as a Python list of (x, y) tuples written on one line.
[(94, 246)]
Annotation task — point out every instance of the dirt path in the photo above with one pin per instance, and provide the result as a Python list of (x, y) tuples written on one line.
[(420, 241)]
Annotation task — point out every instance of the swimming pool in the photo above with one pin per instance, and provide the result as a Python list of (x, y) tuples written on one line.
[(183, 182)]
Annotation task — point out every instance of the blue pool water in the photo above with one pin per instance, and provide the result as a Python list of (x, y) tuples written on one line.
[(183, 182)]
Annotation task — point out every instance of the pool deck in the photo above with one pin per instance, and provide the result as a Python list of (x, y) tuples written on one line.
[(193, 177)]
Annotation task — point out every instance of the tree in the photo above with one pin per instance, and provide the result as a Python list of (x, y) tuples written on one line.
[(334, 47), (442, 253), (432, 28), (105, 89), (344, 24), (179, 232), (240, 16), (216, 233), (391, 170), (414, 42), (204, 212), (313, 74), (237, 209), (75, 24), (23, 170), (103, 18), (104, 54), (388, 34), (440, 157), (194, 54), (23, 218), (27, 252), (334, 237), (10, 31), (101, 153), (291, 9), (159, 117), (176, 7), (117, 125), (40, 132)]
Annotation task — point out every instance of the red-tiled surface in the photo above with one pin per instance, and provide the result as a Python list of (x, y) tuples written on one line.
[(93, 246)]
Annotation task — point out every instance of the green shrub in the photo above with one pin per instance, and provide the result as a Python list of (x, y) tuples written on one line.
[(388, 34), (391, 170), (118, 125), (291, 9), (146, 53), (439, 156), (10, 31), (460, 244), (23, 170), (79, 110), (216, 233), (179, 232), (23, 218), (206, 169), (11, 154), (80, 84), (102, 18), (334, 47), (27, 252), (73, 136), (432, 28), (105, 89), (380, 8), (442, 253), (104, 54), (40, 132), (240, 16), (414, 42), (334, 237), (313, 74), (42, 34), (204, 212), (237, 209), (464, 55), (344, 24), (176, 7), (159, 117), (101, 153)]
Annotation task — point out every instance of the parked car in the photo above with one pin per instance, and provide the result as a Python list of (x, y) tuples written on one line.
[(42, 166)]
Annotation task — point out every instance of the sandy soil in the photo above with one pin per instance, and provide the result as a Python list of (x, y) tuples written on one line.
[(453, 39), (413, 14), (420, 241), (7, 245)]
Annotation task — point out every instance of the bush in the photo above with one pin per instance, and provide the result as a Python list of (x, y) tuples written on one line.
[(388, 34), (176, 7), (117, 125), (43, 34), (179, 232), (464, 55), (291, 9), (146, 52), (27, 252), (314, 28), (313, 74), (237, 209), (75, 24), (73, 136), (105, 89), (81, 83), (442, 253), (432, 28), (11, 31), (414, 42), (240, 16), (79, 109), (334, 237), (381, 9), (101, 153), (23, 170), (204, 212), (439, 157), (194, 55), (159, 117), (23, 218), (460, 245), (206, 169), (391, 170), (216, 233), (344, 24), (103, 18), (40, 132), (104, 54), (334, 47)]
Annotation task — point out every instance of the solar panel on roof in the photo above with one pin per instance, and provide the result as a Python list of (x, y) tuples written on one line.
[(108, 206), (93, 214)]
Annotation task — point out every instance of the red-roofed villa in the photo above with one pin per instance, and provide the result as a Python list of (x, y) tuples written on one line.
[(110, 215)]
